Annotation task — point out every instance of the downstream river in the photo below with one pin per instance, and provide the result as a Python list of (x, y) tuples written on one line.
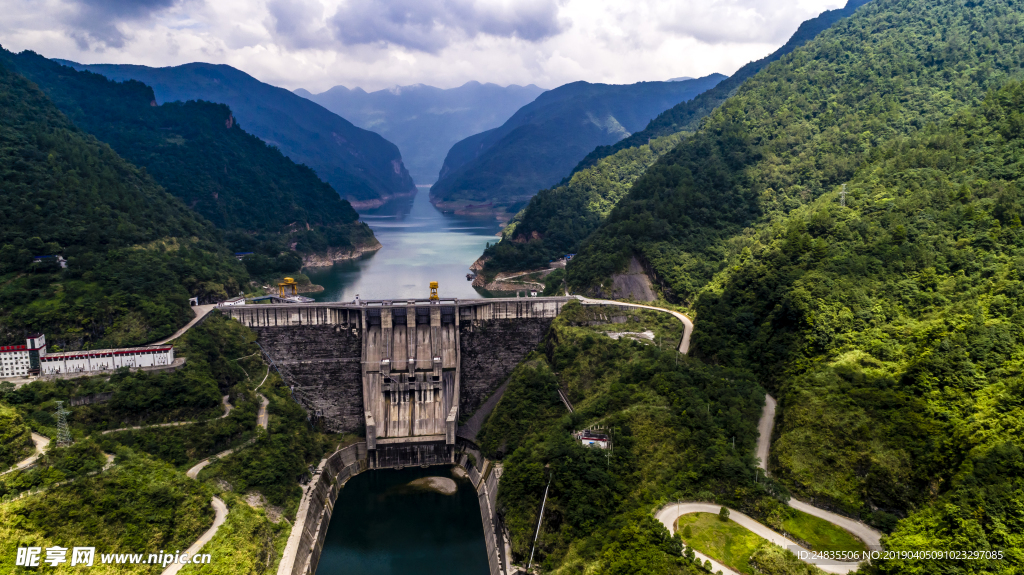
[(383, 526), (421, 245)]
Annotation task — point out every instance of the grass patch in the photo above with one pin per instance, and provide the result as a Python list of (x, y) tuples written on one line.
[(247, 542), (724, 541), (821, 534)]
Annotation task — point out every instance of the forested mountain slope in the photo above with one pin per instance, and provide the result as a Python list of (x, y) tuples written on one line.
[(893, 329), (800, 129), (502, 168), (686, 116), (888, 326), (424, 121), (200, 154), (362, 166), (680, 429), (135, 253), (557, 220)]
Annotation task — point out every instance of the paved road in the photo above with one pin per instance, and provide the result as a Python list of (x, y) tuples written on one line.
[(263, 418), (667, 516), (40, 442), (866, 533), (220, 515), (227, 411), (764, 428), (201, 311), (684, 345)]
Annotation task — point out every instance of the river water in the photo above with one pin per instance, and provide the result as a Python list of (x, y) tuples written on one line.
[(421, 245), (381, 526)]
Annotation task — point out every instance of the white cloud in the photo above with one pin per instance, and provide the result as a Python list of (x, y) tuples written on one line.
[(317, 44)]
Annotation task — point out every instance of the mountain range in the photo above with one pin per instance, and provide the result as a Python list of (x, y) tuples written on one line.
[(360, 165), (499, 170), (198, 152), (557, 220), (424, 121), (135, 254)]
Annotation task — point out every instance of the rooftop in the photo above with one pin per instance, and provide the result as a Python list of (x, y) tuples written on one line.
[(105, 352)]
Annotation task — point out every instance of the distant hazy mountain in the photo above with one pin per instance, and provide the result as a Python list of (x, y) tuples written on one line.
[(425, 121), (497, 171), (361, 165)]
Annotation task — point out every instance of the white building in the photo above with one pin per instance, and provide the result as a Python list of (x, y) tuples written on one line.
[(98, 360), (14, 361), (591, 439), (33, 359), (22, 360)]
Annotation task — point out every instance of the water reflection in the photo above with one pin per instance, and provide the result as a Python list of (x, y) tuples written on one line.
[(421, 245)]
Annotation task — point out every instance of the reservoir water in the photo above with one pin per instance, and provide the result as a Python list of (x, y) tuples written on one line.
[(383, 526), (421, 245)]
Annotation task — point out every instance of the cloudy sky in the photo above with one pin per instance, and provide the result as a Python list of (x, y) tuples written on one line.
[(316, 44)]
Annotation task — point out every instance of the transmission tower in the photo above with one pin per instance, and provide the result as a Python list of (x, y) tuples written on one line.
[(842, 197), (63, 433)]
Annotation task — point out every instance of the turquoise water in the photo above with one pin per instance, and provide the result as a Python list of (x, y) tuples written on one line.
[(421, 245), (381, 526)]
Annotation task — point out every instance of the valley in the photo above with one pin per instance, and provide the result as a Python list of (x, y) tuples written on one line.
[(721, 324)]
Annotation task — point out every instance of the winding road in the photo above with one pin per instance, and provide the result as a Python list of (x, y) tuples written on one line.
[(872, 537), (40, 442), (224, 401), (668, 514), (220, 511), (219, 508), (201, 311), (684, 344), (864, 532)]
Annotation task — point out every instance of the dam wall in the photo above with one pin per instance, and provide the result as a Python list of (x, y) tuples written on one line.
[(490, 350), (398, 371), (306, 541), (321, 365)]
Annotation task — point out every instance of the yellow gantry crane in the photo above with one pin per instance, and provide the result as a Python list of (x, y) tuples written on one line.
[(433, 292), (289, 284)]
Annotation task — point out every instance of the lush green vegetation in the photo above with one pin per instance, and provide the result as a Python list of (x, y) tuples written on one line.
[(672, 421), (897, 327), (15, 438), (197, 151), (135, 254), (140, 506), (889, 326), (820, 534), (359, 164), (687, 116), (800, 129), (770, 559), (557, 220), (280, 458), (540, 143), (248, 542), (144, 502), (725, 541)]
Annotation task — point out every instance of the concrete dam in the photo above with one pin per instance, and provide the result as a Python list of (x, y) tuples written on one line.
[(402, 372)]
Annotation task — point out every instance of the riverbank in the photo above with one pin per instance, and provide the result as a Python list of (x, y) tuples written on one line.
[(334, 255)]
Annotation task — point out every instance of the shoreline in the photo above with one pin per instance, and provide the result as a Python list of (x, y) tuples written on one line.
[(332, 255)]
